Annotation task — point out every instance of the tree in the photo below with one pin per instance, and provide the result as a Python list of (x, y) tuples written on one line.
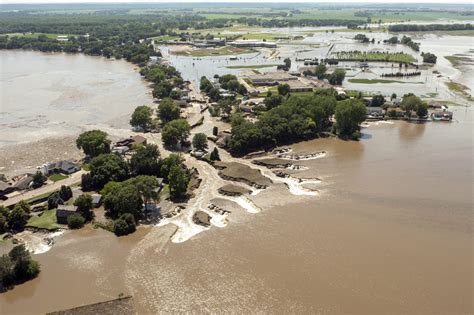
[(321, 71), (421, 109), (429, 57), (215, 131), (410, 103), (283, 89), (200, 142), (214, 94), (65, 192), (38, 180), (337, 77), (272, 101), (287, 62), (176, 131), (123, 198), (178, 181), (75, 221), (54, 200), (108, 167), (84, 206), (349, 115), (394, 96), (17, 218), (215, 155), (124, 225), (24, 267), (93, 143), (377, 100), (170, 161), (86, 182), (141, 117), (168, 111), (146, 160)]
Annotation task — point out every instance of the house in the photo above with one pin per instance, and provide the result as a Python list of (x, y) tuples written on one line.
[(120, 149), (271, 78), (63, 212), (442, 116), (374, 112), (434, 104), (298, 86), (96, 200), (23, 183), (64, 167)]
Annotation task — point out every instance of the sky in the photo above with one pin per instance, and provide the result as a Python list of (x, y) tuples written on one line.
[(242, 1)]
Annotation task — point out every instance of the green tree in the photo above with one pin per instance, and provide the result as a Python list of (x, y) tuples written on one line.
[(411, 103), (349, 115), (25, 268), (200, 142), (273, 101), (141, 117), (170, 161), (337, 77), (75, 221), (421, 109), (38, 180), (215, 155), (17, 218), (54, 200), (283, 89), (215, 131), (124, 225), (65, 192), (321, 71), (168, 110), (123, 199), (176, 131), (146, 160), (429, 57), (84, 206), (108, 167), (178, 181), (93, 143)]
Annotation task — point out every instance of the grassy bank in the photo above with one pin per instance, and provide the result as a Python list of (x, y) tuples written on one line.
[(57, 177), (45, 221)]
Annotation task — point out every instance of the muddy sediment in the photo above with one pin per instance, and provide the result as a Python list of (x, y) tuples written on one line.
[(238, 172), (233, 190)]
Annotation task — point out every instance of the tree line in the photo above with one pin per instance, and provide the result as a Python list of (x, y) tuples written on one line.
[(429, 27)]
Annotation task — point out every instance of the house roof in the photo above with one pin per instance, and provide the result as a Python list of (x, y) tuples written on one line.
[(66, 208), (96, 198), (24, 182), (138, 139)]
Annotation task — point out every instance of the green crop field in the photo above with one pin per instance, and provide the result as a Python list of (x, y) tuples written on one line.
[(373, 56), (375, 81)]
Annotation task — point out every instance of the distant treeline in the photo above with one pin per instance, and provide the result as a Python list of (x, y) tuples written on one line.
[(429, 27)]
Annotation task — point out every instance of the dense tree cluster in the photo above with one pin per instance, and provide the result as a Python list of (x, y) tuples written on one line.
[(16, 219), (108, 167), (164, 79), (295, 119), (176, 132), (429, 27), (429, 57), (412, 103), (17, 267), (168, 110), (141, 117)]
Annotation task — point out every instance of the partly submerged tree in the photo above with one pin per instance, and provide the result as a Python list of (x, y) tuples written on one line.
[(93, 143)]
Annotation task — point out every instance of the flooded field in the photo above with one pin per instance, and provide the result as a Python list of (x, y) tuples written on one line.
[(65, 95), (391, 229)]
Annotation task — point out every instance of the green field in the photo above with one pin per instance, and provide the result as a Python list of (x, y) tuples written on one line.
[(45, 221), (35, 35), (221, 51), (57, 177), (374, 56), (375, 81), (252, 66)]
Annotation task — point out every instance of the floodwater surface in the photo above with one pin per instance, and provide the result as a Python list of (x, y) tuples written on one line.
[(390, 233)]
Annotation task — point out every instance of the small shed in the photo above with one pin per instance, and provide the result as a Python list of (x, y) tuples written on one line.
[(63, 212), (96, 200)]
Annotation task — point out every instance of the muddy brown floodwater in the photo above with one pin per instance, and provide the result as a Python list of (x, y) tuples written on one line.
[(390, 232)]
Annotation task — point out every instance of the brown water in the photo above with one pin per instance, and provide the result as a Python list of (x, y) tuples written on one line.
[(392, 232)]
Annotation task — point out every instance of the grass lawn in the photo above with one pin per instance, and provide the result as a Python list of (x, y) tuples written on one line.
[(375, 56), (261, 36), (221, 51), (375, 81), (46, 221), (456, 61), (252, 66), (57, 177)]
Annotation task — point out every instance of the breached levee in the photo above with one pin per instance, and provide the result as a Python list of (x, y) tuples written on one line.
[(302, 156), (37, 242), (238, 172), (278, 163)]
